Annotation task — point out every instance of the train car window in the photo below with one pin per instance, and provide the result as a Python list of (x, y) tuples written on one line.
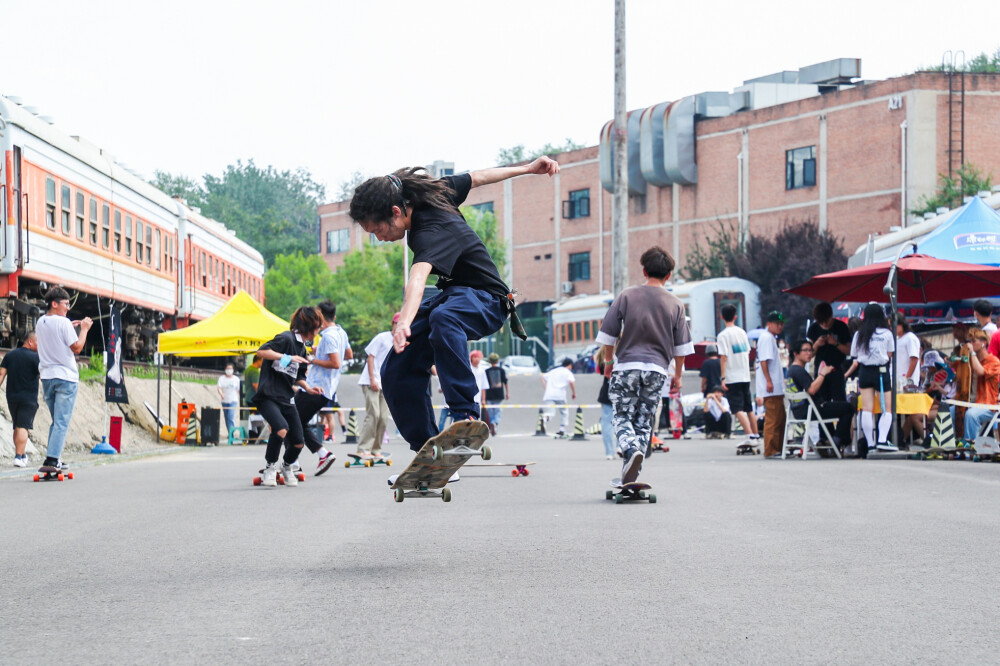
[(106, 226), (204, 275), (149, 245), (118, 232), (128, 235), (81, 224), (159, 255), (93, 221), (50, 203), (138, 241), (67, 213)]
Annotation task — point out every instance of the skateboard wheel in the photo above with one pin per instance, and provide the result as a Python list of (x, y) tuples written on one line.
[(446, 494), (514, 472), (281, 480), (487, 453), (368, 463), (608, 495), (60, 476), (36, 478), (652, 499), (388, 463), (256, 481), (301, 476), (436, 452), (347, 463), (397, 494), (619, 499), (524, 472), (69, 475)]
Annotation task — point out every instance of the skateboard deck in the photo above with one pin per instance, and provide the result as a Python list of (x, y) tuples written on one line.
[(748, 449), (630, 492), (357, 461), (963, 388), (281, 478), (51, 474), (520, 469), (439, 458)]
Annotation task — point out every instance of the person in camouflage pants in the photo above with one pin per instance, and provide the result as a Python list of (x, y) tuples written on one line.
[(634, 395)]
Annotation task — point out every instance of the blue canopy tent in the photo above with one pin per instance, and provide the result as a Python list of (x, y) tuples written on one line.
[(972, 235)]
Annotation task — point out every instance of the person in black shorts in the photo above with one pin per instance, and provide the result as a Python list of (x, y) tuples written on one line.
[(872, 348), (831, 341), (22, 393), (473, 301), (283, 369)]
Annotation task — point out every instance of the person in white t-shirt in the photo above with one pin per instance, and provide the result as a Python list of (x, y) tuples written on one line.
[(872, 349), (771, 384), (58, 344), (734, 356), (907, 354), (718, 415), (983, 310), (376, 409), (556, 381), (228, 387)]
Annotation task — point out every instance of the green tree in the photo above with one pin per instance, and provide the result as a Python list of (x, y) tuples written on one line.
[(967, 182), (368, 290), (984, 63), (295, 280), (713, 261), (348, 186), (179, 186), (484, 223), (519, 153)]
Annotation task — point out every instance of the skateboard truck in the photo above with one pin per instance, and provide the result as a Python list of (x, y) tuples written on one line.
[(445, 493), (463, 450)]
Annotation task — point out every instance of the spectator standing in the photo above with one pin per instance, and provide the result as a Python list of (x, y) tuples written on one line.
[(607, 411), (228, 387), (711, 371), (323, 372), (646, 328), (376, 409), (872, 349), (498, 391), (22, 393), (555, 382), (983, 311), (771, 384), (58, 344), (907, 355), (734, 360), (831, 340), (251, 377)]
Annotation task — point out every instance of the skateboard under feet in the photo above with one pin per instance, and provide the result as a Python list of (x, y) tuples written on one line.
[(281, 478), (630, 492), (356, 460), (46, 473), (748, 449), (439, 458)]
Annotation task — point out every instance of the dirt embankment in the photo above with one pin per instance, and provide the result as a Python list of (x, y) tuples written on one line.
[(139, 432)]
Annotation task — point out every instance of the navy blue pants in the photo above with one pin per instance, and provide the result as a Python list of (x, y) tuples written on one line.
[(439, 335)]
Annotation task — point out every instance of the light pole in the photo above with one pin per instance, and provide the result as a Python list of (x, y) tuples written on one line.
[(619, 202)]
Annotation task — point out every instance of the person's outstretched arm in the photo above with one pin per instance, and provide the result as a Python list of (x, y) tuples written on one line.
[(414, 293), (542, 165)]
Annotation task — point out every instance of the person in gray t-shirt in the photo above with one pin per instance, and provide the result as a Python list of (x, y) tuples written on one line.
[(645, 329)]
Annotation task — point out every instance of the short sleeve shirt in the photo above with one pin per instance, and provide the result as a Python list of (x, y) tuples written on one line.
[(22, 375), (497, 379), (883, 343), (56, 360), (711, 372), (443, 239), (798, 380), (988, 383), (277, 381), (907, 347), (828, 353), (734, 344), (767, 350), (378, 349), (333, 340), (556, 381), (230, 387)]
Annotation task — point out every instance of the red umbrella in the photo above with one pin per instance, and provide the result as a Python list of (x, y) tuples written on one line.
[(921, 279)]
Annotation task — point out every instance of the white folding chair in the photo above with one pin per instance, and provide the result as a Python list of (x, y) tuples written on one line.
[(795, 428)]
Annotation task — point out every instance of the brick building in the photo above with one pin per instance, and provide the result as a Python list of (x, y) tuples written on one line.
[(816, 144)]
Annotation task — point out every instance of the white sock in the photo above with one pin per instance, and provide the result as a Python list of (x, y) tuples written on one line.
[(884, 423), (322, 452), (867, 427)]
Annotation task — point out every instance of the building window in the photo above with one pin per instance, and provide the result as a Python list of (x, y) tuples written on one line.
[(67, 213), (338, 240), (800, 168), (579, 266), (50, 203), (485, 207), (81, 226), (578, 204)]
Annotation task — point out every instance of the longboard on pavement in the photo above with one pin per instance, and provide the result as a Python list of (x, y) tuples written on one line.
[(280, 478), (46, 473), (439, 458), (747, 449), (357, 460), (630, 492), (520, 469)]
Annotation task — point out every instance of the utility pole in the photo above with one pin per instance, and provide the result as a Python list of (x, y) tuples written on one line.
[(619, 202)]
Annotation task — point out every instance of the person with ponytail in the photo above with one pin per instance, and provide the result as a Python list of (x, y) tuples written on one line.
[(473, 301), (871, 349)]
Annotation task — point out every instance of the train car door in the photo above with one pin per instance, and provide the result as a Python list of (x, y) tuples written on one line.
[(20, 211)]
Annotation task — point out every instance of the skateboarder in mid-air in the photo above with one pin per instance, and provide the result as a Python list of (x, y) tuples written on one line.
[(645, 328), (474, 301)]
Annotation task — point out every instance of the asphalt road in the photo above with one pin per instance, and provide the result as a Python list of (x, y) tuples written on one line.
[(179, 559)]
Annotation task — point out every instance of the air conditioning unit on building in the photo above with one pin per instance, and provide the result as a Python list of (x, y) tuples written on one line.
[(567, 287)]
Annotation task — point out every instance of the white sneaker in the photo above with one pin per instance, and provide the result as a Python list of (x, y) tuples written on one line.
[(21, 461), (392, 479), (269, 477), (609, 457), (289, 474), (886, 446)]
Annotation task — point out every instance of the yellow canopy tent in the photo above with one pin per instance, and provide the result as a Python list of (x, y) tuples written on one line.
[(240, 327)]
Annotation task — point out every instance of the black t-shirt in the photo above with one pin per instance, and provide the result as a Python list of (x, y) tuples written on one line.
[(276, 382), (797, 380), (829, 353), (443, 239), (711, 370), (22, 375), (496, 377)]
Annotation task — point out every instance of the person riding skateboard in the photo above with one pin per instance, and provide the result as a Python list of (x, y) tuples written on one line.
[(473, 301)]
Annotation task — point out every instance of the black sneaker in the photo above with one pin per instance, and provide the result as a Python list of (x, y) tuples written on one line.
[(633, 458)]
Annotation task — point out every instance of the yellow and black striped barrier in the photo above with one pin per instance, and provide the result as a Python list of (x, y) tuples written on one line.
[(352, 428)]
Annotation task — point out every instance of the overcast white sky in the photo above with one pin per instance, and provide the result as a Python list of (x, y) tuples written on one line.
[(331, 86)]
